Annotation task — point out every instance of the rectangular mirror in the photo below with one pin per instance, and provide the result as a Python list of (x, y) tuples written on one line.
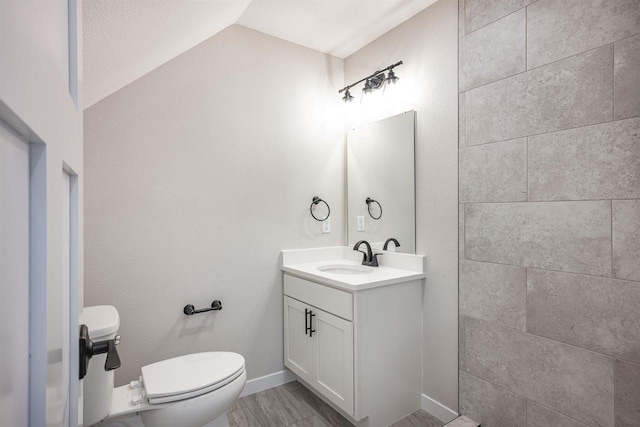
[(381, 183)]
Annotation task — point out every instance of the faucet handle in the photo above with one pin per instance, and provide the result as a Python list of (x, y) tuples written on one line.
[(374, 259)]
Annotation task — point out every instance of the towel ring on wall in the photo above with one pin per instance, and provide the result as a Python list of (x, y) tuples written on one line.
[(315, 201), (369, 201)]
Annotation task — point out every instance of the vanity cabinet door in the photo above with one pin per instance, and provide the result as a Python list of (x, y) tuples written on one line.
[(334, 359), (318, 348), (298, 345)]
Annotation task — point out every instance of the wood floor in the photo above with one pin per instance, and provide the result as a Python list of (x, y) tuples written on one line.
[(293, 405)]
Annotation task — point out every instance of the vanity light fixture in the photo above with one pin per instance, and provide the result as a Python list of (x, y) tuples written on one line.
[(377, 81), (392, 78), (373, 81), (347, 96), (367, 87)]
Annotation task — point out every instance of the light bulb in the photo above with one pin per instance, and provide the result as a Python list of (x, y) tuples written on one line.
[(347, 96), (392, 78), (367, 87)]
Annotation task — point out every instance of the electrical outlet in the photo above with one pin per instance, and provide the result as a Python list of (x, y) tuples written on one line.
[(360, 223), (326, 226)]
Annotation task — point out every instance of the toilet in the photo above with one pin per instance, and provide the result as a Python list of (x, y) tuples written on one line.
[(194, 390)]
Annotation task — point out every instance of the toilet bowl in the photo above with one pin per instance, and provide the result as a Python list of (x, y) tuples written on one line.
[(194, 390)]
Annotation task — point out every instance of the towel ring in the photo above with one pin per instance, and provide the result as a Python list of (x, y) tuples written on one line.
[(315, 201), (369, 201)]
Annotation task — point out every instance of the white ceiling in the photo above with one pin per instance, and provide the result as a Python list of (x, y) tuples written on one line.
[(125, 39)]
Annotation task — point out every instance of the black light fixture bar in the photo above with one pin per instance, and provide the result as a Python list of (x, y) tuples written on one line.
[(389, 68)]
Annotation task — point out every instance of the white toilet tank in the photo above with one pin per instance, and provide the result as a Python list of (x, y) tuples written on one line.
[(103, 322)]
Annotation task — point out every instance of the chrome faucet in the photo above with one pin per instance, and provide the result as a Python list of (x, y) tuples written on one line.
[(368, 258), (389, 240)]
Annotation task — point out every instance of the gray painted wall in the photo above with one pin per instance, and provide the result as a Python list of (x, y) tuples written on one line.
[(550, 212), (427, 43), (198, 175), (201, 171)]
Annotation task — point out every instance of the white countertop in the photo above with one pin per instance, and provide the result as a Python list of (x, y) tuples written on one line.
[(394, 268)]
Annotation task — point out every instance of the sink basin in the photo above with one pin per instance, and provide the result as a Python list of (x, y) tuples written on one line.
[(343, 269)]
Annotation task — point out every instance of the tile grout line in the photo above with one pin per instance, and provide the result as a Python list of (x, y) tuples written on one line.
[(465, 123), (523, 397), (613, 82), (527, 172), (492, 80), (532, 69), (543, 65), (609, 356), (552, 131), (464, 18), (553, 271), (611, 237), (526, 299), (463, 96), (526, 37), (466, 33), (613, 42), (464, 21), (614, 71), (628, 37), (464, 231), (512, 202), (615, 368), (538, 67), (542, 337), (628, 362)]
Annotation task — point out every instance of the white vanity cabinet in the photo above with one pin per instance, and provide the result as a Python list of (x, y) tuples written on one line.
[(360, 351), (318, 343)]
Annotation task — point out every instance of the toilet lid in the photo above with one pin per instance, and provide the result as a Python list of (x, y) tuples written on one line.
[(190, 375)]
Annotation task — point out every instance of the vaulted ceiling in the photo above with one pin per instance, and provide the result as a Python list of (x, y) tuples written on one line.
[(125, 39)]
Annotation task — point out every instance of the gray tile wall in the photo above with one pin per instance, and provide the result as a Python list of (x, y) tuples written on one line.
[(539, 416), (576, 91), (591, 312), (565, 378), (627, 394), (565, 236), (510, 408), (494, 172), (550, 212), (627, 77), (494, 292), (605, 162), (481, 62)]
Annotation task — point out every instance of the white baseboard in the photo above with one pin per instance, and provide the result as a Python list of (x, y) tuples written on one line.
[(437, 409), (268, 381)]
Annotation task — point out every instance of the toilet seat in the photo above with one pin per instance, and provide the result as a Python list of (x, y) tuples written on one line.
[(190, 375)]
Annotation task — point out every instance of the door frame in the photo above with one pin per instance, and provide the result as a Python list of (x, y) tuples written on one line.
[(38, 272)]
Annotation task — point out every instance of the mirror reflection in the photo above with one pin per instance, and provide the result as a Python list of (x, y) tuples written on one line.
[(381, 183)]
